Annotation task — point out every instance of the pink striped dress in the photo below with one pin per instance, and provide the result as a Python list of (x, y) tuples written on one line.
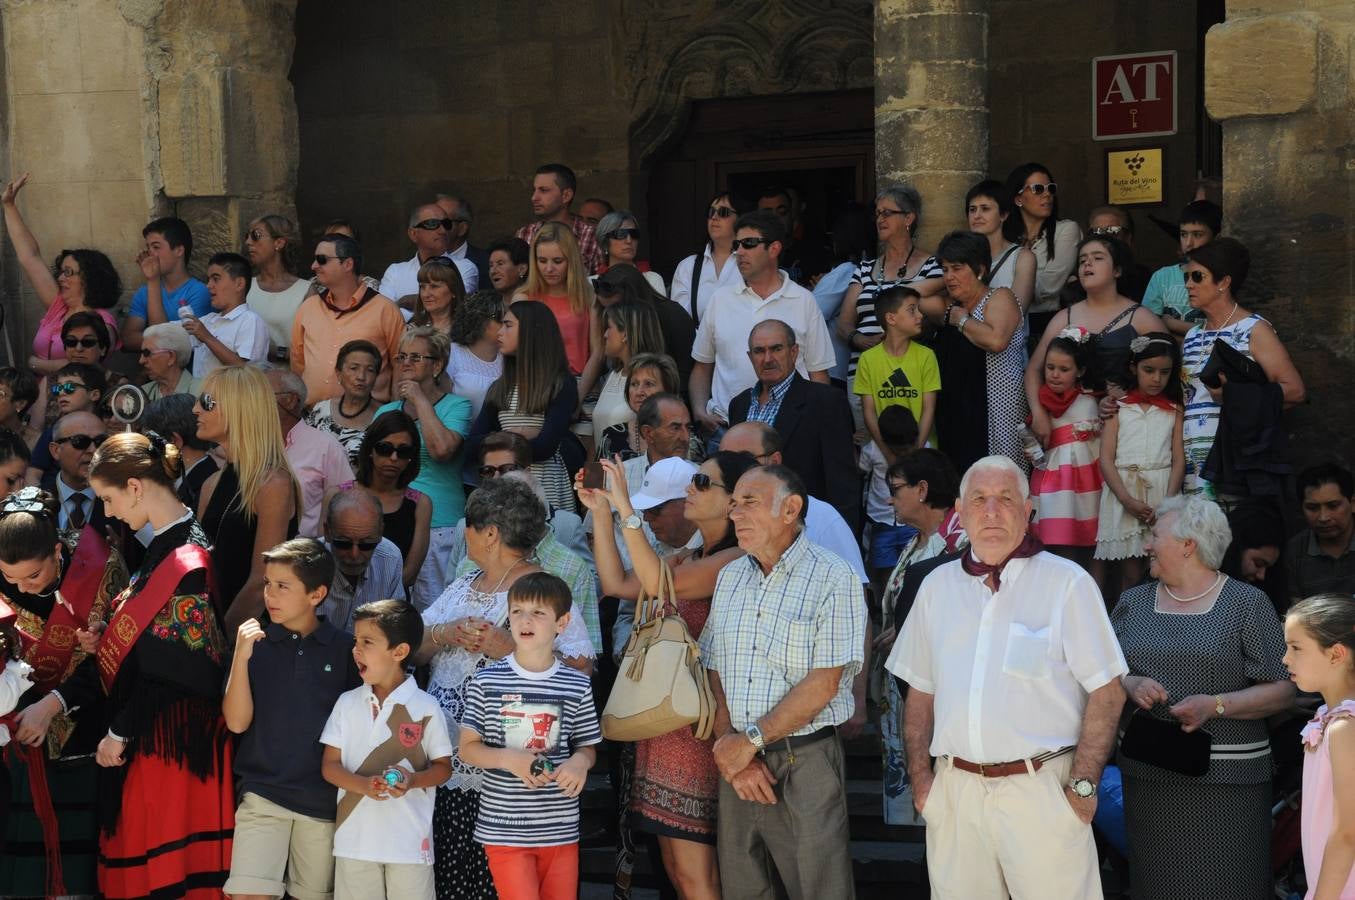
[(1067, 488)]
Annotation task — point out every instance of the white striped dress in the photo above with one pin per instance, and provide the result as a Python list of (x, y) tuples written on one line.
[(1202, 413)]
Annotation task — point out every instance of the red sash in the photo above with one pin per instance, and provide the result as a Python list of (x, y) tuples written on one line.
[(136, 613), (79, 588)]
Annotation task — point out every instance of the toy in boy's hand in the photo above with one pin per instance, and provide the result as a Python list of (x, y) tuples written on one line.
[(542, 766), (393, 776)]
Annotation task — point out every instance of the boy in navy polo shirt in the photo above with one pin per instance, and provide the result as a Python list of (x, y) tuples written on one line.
[(284, 680), (531, 724)]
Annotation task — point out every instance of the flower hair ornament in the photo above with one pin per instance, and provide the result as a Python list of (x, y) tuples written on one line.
[(1143, 342), (29, 500), (1076, 333)]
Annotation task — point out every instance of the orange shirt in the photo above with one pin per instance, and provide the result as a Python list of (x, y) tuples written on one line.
[(319, 330), (573, 328)]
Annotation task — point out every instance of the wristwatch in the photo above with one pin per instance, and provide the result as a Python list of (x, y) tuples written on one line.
[(1218, 705), (755, 735), (1083, 787), (633, 522)]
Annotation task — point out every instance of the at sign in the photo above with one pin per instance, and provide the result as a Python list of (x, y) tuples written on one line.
[(1134, 95)]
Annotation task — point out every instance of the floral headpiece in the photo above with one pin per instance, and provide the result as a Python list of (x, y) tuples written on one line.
[(29, 500), (1143, 342), (1076, 333)]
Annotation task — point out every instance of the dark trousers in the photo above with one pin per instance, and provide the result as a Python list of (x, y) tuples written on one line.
[(797, 848)]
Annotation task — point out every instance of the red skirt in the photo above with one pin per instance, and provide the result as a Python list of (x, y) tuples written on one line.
[(173, 837)]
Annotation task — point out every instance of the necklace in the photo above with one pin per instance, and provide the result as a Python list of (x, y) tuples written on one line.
[(1202, 593), (1227, 320), (502, 579), (354, 415), (903, 269)]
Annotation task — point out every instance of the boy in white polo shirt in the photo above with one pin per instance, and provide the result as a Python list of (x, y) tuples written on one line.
[(531, 725), (386, 750), (232, 334)]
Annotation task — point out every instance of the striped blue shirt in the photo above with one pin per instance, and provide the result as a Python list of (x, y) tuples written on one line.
[(766, 632), (767, 412), (549, 713)]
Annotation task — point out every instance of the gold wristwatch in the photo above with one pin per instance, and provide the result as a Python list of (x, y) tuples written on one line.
[(1218, 705)]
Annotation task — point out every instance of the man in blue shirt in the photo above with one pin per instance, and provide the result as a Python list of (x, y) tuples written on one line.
[(168, 290)]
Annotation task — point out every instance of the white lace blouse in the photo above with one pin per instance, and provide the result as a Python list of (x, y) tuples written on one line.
[(451, 670)]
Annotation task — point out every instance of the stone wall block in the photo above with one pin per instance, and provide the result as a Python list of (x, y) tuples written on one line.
[(906, 84), (260, 133), (111, 51), (900, 9), (1244, 75), (79, 137), (192, 138), (935, 37), (117, 211), (58, 215), (934, 140), (42, 47)]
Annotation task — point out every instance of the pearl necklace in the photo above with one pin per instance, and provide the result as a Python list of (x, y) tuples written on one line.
[(1227, 320), (1203, 593)]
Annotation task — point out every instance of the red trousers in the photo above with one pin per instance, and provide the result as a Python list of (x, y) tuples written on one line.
[(535, 873)]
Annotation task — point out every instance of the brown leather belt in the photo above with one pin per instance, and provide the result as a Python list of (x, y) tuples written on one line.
[(1003, 769)]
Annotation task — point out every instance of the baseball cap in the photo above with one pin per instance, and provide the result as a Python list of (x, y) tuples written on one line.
[(666, 480)]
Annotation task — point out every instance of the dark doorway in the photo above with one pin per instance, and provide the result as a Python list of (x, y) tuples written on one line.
[(822, 146)]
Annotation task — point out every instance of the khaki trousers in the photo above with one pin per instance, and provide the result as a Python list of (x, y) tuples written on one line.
[(987, 837)]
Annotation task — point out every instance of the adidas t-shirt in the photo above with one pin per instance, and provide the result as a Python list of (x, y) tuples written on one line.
[(898, 380), (548, 712)]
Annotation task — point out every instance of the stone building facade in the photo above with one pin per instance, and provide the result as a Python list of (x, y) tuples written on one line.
[(124, 109)]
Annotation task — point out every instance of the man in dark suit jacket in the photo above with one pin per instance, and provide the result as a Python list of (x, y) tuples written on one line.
[(812, 419), (459, 211)]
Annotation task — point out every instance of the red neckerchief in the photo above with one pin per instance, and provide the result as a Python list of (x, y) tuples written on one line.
[(1057, 404), (1137, 396), (1029, 546), (367, 294)]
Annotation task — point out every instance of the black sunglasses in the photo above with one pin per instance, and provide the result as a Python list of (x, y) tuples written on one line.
[(435, 224), (400, 451), (622, 234), (721, 212), (324, 258), (495, 471), (346, 544), (1195, 275), (207, 402), (750, 243), (702, 482), (82, 442), (86, 342)]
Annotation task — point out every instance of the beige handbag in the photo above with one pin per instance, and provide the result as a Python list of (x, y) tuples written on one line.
[(661, 685)]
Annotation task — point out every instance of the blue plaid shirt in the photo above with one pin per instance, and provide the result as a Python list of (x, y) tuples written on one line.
[(766, 412), (766, 632)]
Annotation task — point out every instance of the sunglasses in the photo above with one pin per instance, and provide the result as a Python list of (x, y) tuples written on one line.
[(721, 212), (82, 442), (207, 402), (67, 387), (400, 451), (1195, 275), (256, 235), (496, 471), (86, 342), (346, 544), (1038, 189), (1107, 231), (414, 357), (702, 482), (750, 243), (435, 224), (322, 259), (147, 354), (622, 234)]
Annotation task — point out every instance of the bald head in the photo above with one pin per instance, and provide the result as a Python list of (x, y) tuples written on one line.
[(754, 438), (77, 423)]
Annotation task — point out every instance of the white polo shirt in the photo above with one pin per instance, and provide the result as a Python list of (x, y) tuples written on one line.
[(722, 337), (394, 830), (242, 330), (1010, 671), (402, 278)]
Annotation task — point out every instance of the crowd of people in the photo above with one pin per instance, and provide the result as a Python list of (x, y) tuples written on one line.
[(326, 598)]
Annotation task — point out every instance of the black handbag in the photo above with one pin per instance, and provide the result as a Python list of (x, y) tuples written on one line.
[(1227, 360), (1163, 744)]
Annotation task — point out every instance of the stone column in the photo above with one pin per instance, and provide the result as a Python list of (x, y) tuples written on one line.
[(1280, 77), (931, 103)]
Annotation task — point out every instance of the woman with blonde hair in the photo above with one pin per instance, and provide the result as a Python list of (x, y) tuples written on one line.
[(275, 292), (254, 503), (558, 278)]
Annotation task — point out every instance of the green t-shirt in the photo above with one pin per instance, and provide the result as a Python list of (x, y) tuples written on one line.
[(898, 380)]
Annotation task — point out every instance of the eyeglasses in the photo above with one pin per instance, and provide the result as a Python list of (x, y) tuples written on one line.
[(496, 471), (207, 402), (346, 544), (721, 212), (324, 258), (702, 482), (414, 357), (886, 213), (67, 387), (435, 224), (86, 342), (1107, 231), (1196, 276), (750, 243), (82, 442), (147, 354), (69, 272), (624, 234), (1038, 189), (400, 451), (898, 486)]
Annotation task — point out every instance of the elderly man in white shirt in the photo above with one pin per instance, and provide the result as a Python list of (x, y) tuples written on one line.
[(1014, 686), (429, 230)]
